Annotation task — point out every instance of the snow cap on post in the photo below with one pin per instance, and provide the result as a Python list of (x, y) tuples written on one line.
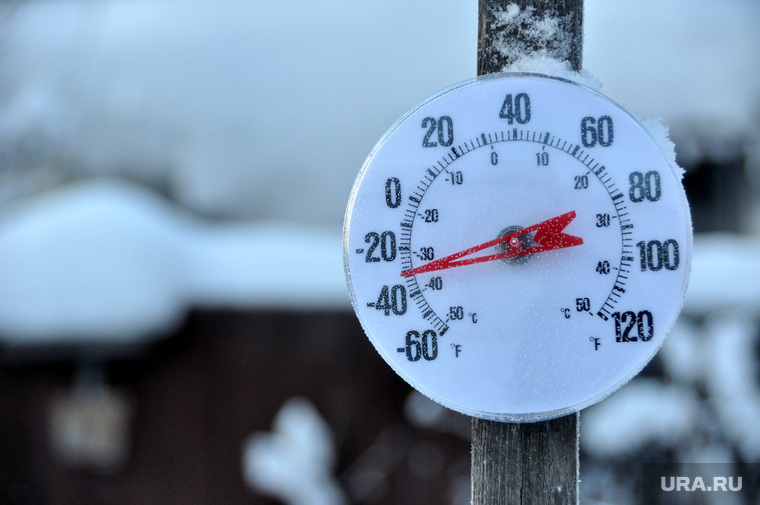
[(529, 29)]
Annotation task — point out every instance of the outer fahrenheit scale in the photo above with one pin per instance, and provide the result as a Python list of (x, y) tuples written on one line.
[(517, 247)]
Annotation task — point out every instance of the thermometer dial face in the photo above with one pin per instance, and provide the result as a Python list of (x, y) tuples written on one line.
[(517, 247)]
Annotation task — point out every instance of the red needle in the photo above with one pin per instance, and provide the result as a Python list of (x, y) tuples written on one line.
[(548, 236)]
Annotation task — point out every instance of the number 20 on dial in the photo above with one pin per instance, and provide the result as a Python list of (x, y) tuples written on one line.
[(517, 247)]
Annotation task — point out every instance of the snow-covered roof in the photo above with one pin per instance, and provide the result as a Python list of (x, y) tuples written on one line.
[(107, 261)]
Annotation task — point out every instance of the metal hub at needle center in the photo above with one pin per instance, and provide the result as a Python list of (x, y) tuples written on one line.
[(514, 244)]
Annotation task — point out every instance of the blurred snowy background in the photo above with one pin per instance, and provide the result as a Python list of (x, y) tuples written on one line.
[(162, 165)]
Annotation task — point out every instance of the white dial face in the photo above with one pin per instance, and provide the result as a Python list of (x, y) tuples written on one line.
[(517, 247)]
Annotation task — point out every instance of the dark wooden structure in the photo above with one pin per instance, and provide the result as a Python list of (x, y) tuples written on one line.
[(201, 392)]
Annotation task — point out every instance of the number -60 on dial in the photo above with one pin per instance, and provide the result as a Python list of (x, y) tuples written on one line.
[(517, 247)]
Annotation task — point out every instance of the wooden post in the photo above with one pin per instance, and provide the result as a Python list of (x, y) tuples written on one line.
[(527, 463)]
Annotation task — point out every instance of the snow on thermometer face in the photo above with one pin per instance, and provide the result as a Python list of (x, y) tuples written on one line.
[(517, 247)]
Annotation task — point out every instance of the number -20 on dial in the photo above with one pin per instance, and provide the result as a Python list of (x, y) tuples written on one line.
[(517, 247)]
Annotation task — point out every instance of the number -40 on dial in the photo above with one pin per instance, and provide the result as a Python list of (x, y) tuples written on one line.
[(517, 247)]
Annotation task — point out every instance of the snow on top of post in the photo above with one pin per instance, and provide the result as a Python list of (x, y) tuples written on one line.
[(520, 32), (535, 41)]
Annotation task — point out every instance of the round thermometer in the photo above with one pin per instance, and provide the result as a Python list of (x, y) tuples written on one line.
[(517, 247)]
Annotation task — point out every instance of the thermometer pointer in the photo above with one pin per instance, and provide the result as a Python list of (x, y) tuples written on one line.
[(548, 236)]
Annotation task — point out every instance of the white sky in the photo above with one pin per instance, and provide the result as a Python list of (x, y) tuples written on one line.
[(267, 110)]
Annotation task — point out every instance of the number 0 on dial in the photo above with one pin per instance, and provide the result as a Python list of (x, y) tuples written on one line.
[(517, 247)]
